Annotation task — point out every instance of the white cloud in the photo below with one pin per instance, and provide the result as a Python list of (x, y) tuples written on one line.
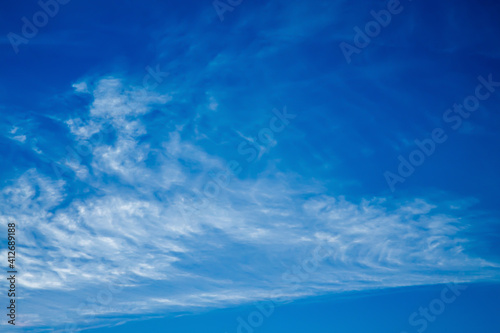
[(135, 234), (81, 87)]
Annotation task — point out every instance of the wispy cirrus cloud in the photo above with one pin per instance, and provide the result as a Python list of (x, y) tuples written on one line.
[(125, 229), (128, 229)]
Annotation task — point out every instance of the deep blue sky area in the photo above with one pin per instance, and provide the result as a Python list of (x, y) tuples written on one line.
[(473, 311), (338, 158)]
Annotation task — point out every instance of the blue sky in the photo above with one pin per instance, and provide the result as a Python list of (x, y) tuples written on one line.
[(176, 166)]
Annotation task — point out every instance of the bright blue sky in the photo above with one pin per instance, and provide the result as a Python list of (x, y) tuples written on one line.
[(109, 173)]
